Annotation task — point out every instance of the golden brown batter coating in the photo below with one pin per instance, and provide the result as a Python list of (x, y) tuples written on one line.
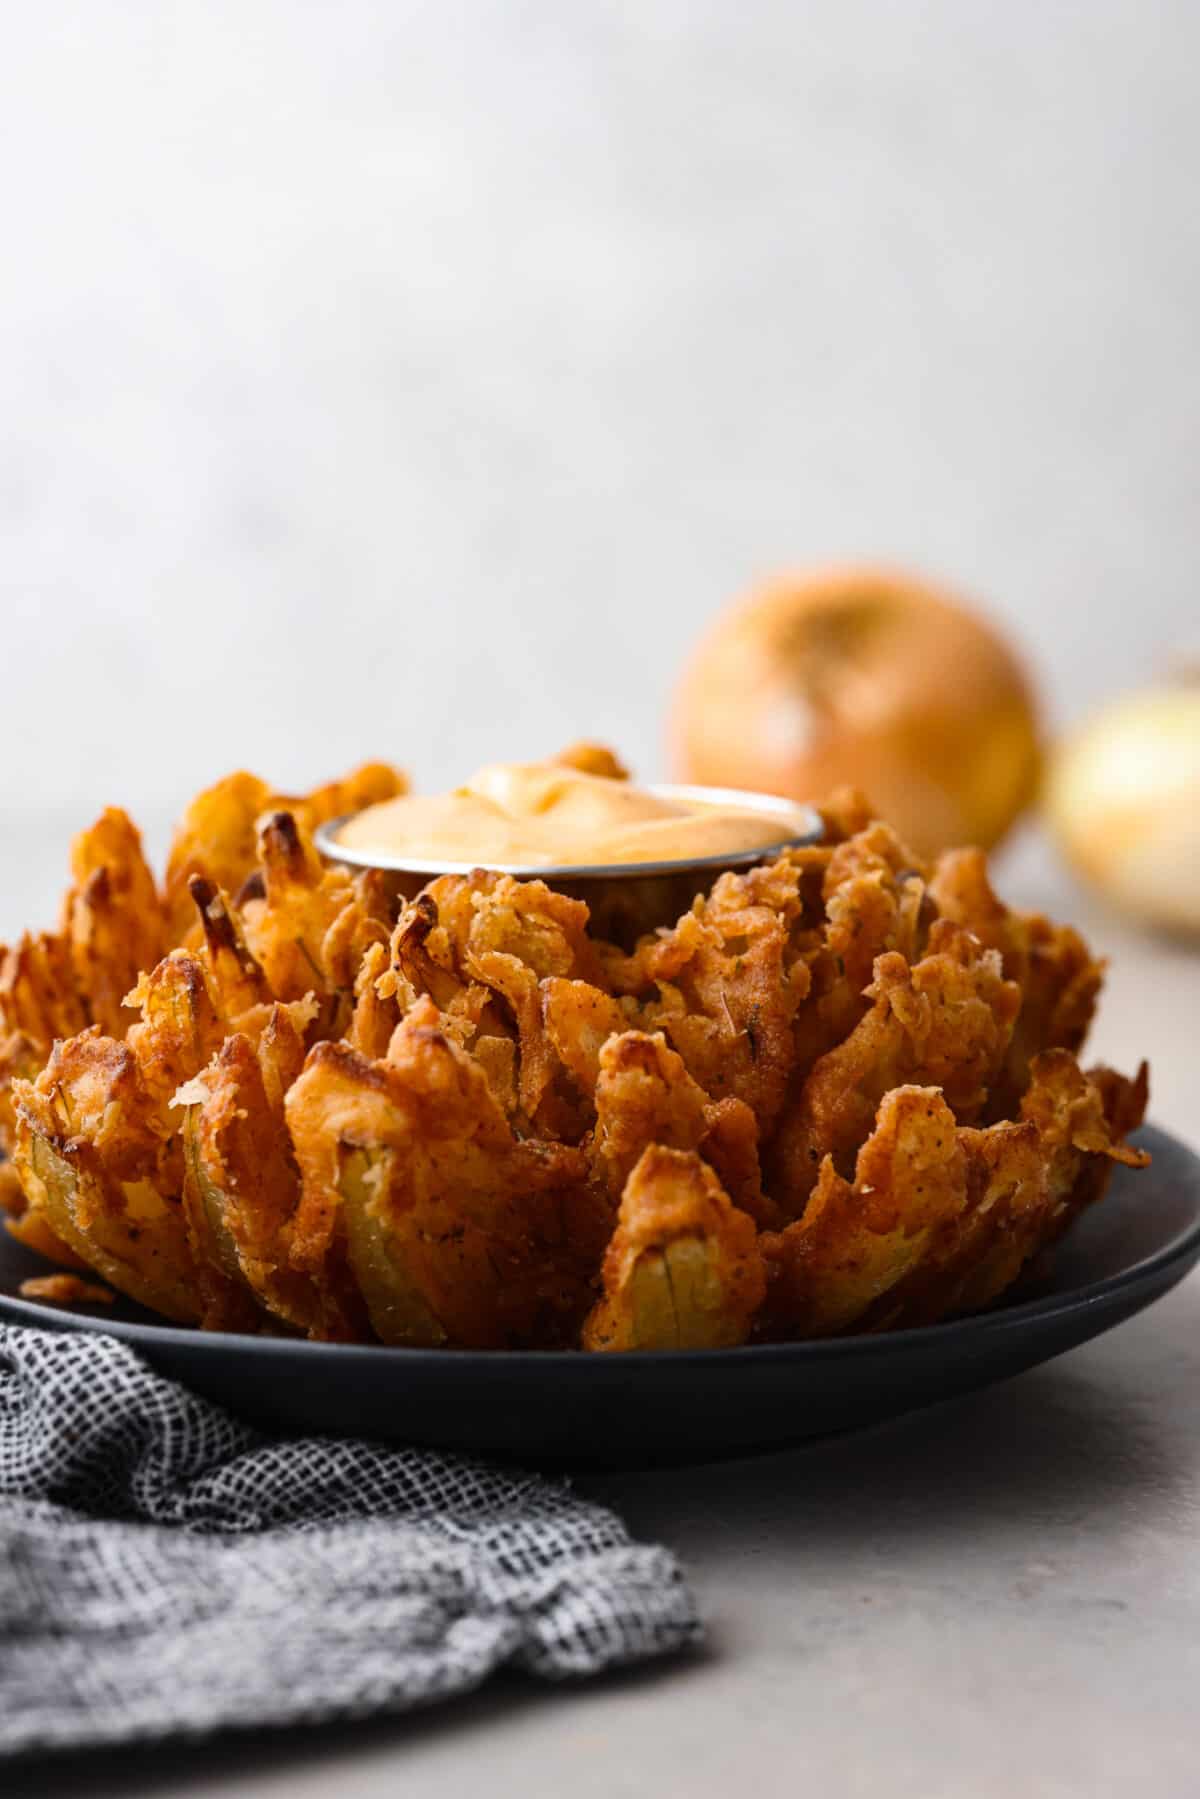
[(840, 1093)]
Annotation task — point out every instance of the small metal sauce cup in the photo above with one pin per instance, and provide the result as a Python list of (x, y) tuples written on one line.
[(625, 899)]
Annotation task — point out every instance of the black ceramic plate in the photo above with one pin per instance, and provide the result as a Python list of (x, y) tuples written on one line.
[(618, 1410)]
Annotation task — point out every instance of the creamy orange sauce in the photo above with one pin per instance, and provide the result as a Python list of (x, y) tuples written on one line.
[(543, 815)]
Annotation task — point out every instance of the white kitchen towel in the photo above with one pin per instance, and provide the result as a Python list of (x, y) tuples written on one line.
[(165, 1569)]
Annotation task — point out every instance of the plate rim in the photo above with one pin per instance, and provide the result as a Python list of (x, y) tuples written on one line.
[(1183, 1248)]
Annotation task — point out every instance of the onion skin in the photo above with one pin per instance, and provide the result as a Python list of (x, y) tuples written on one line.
[(1123, 802), (866, 677)]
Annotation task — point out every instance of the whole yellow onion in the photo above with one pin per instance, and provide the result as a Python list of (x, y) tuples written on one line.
[(867, 677), (1123, 800)]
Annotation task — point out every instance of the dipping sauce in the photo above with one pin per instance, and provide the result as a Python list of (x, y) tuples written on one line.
[(547, 815)]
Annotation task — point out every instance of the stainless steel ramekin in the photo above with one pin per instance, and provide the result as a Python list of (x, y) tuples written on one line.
[(624, 898)]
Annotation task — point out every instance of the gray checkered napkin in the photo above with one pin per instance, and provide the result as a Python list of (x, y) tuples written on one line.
[(165, 1569)]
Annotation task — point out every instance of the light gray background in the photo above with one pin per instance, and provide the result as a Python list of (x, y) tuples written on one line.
[(417, 380)]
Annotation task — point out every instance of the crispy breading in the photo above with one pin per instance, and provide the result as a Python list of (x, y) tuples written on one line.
[(367, 785), (1059, 978), (497, 1056), (112, 918), (458, 918), (363, 919), (730, 1147), (946, 1021), (544, 930), (20, 1060), (38, 996), (180, 1025), (942, 1218), (236, 979), (858, 1238), (427, 953), (92, 1093), (90, 1150), (424, 958), (217, 837), (645, 1095), (242, 1190), (12, 1194), (1060, 985), (845, 812), (311, 926), (375, 1015), (38, 1002), (725, 989), (470, 1018), (105, 1145), (592, 759), (190, 1003), (1025, 1182), (66, 1290), (962, 892), (425, 1129), (456, 1231), (286, 927), (281, 1042), (683, 1269), (53, 984), (480, 945), (519, 933), (579, 1019), (874, 899)]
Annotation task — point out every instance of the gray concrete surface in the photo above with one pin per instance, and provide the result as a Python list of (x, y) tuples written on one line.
[(994, 1599)]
